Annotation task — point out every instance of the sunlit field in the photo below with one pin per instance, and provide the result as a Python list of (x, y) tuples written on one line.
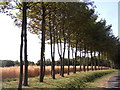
[(13, 72)]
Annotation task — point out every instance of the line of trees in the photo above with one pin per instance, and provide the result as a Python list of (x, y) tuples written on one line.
[(72, 27), (9, 63), (85, 61)]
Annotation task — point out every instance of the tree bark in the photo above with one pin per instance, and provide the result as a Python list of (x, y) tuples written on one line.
[(68, 57), (98, 61), (63, 57), (21, 61), (59, 47), (44, 66), (64, 48), (42, 44), (52, 38), (87, 61), (84, 64), (25, 45), (91, 60), (61, 52), (75, 57), (80, 61), (95, 61), (72, 56)]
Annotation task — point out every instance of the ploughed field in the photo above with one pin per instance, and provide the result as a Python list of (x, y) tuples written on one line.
[(13, 72)]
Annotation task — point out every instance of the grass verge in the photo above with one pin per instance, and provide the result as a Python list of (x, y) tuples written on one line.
[(78, 80)]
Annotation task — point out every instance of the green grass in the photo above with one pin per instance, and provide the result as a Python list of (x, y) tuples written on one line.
[(78, 80)]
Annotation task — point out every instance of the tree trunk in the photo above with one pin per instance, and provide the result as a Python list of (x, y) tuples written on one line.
[(53, 58), (63, 51), (98, 60), (75, 57), (25, 45), (95, 61), (84, 64), (21, 61), (52, 38), (87, 61), (59, 47), (80, 62), (63, 58), (68, 57), (72, 57), (44, 66), (53, 68), (42, 44), (91, 61)]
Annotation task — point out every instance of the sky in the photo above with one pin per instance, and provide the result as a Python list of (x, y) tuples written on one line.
[(119, 19), (10, 34), (109, 12)]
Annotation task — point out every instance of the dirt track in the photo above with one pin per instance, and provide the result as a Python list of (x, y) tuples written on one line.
[(114, 81)]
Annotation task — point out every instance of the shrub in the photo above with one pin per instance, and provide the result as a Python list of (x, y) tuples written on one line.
[(6, 63)]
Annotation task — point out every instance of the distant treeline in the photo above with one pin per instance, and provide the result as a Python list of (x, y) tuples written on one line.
[(80, 61), (8, 63), (83, 61)]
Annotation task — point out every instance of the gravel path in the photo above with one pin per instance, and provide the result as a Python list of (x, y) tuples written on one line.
[(114, 81)]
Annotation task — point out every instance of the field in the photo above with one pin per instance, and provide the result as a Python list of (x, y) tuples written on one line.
[(13, 72)]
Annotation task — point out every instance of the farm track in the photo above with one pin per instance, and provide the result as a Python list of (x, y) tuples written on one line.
[(114, 81)]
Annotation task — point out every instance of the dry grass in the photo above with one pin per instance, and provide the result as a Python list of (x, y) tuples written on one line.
[(13, 72)]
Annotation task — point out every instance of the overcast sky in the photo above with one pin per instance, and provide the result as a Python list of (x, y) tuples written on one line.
[(10, 34)]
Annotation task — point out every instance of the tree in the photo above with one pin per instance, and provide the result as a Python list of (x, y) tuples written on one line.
[(42, 44), (21, 60), (25, 45), (68, 24)]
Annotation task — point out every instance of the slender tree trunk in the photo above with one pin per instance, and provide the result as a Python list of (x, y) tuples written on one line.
[(80, 61), (21, 61), (53, 58), (98, 60), (91, 60), (63, 51), (59, 50), (68, 57), (63, 58), (102, 58), (25, 45), (53, 68), (72, 57), (107, 61), (94, 61), (87, 61), (59, 56), (44, 66), (75, 57), (84, 65), (42, 44), (52, 38)]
